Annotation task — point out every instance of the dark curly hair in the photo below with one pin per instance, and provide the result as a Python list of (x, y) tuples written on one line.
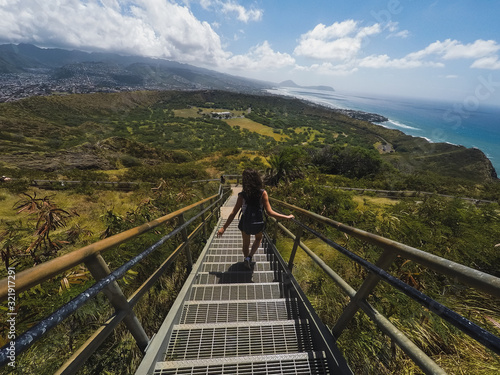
[(252, 183)]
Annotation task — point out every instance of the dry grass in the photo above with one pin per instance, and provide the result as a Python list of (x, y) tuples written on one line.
[(86, 210), (313, 134), (6, 204), (245, 123), (363, 200), (368, 351)]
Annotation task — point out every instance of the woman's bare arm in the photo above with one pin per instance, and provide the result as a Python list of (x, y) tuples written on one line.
[(231, 216), (270, 211)]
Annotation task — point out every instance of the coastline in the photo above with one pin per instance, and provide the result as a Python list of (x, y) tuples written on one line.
[(352, 113), (341, 102)]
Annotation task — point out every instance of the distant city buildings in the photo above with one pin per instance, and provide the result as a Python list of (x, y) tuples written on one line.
[(72, 79), (15, 86)]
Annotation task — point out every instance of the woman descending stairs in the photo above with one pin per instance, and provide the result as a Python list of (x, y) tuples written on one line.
[(229, 319)]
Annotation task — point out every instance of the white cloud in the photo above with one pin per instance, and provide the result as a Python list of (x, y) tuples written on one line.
[(340, 41), (336, 30), (261, 57), (453, 49), (393, 28), (142, 27), (370, 30), (205, 3), (243, 14), (400, 34), (384, 61), (232, 7), (329, 69), (491, 62), (339, 50)]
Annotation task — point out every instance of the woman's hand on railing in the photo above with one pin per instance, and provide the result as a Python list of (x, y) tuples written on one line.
[(220, 232)]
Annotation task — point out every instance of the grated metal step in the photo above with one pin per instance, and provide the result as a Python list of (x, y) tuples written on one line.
[(235, 277), (313, 363), (234, 292), (244, 311), (232, 267), (233, 251), (202, 341), (233, 258)]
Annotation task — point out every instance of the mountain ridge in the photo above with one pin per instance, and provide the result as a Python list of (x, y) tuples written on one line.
[(290, 83), (28, 70)]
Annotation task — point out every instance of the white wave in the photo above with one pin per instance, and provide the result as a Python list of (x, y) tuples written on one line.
[(400, 125), (310, 98)]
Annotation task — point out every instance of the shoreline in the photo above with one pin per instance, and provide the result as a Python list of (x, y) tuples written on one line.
[(373, 117), (352, 113)]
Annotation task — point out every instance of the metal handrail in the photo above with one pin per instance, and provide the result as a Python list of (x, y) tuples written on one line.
[(90, 255), (36, 275), (480, 280), (413, 351)]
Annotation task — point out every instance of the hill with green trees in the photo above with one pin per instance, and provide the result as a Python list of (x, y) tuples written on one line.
[(167, 139), (106, 131)]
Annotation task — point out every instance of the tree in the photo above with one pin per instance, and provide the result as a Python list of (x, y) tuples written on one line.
[(351, 161), (286, 165)]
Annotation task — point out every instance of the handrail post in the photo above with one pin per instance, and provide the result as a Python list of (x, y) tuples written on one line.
[(274, 237), (296, 244), (99, 269), (203, 218), (186, 241), (364, 291)]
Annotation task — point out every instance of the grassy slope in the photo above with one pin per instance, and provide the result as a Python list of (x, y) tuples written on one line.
[(255, 127), (150, 117), (468, 238)]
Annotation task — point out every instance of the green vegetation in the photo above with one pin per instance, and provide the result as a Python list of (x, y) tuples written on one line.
[(450, 228), (165, 140), (28, 238)]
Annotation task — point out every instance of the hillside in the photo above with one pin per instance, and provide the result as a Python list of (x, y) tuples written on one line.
[(290, 83), (26, 70), (59, 133)]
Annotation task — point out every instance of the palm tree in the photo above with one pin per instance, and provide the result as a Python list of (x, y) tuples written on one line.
[(50, 218), (285, 165)]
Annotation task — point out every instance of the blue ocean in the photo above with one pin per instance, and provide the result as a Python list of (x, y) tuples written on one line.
[(470, 123)]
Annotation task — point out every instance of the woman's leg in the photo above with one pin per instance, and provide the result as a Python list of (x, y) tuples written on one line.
[(256, 244), (246, 244)]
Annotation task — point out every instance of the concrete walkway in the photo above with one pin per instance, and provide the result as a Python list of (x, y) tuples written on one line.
[(226, 210)]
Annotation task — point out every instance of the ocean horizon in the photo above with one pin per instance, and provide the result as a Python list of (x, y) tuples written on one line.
[(437, 121)]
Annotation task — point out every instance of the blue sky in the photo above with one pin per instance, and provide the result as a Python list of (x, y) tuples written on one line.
[(434, 49)]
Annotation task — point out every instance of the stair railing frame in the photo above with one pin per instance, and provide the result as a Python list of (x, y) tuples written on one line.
[(477, 279), (106, 281)]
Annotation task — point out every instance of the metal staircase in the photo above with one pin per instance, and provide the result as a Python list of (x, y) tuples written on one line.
[(231, 320)]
